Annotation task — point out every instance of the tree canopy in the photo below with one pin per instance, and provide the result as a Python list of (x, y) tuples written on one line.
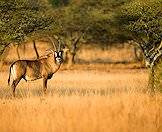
[(20, 19), (93, 17), (143, 21)]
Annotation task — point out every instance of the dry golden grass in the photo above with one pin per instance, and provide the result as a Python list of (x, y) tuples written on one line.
[(82, 101)]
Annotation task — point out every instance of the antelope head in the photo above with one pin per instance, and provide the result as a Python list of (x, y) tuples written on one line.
[(58, 52)]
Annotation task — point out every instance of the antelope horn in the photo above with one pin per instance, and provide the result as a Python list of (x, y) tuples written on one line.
[(52, 43), (58, 40), (59, 46)]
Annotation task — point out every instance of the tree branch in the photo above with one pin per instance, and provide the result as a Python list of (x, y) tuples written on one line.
[(157, 54), (2, 51), (35, 48)]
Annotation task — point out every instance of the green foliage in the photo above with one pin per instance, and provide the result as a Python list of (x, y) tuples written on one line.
[(58, 3), (93, 17), (100, 19), (55, 2), (143, 19)]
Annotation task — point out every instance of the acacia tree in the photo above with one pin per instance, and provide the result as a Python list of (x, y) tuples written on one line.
[(70, 29), (86, 21), (143, 21), (101, 21), (21, 20)]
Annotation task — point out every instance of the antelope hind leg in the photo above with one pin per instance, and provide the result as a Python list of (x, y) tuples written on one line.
[(13, 86)]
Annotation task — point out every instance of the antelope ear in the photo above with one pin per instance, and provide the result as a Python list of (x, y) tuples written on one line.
[(55, 53), (49, 50)]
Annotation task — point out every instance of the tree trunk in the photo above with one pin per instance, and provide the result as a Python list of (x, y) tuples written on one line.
[(17, 50), (137, 55), (35, 48), (24, 49), (152, 80), (72, 50), (71, 55), (70, 59), (4, 55)]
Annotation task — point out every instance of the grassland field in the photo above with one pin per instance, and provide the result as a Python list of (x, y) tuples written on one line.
[(82, 100)]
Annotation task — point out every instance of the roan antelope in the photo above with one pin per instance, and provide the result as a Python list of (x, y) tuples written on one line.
[(31, 70)]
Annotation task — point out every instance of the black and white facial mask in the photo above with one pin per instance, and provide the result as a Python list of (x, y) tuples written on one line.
[(59, 56)]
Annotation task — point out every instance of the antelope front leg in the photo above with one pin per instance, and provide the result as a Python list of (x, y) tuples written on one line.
[(44, 85)]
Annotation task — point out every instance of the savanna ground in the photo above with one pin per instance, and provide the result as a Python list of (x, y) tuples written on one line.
[(82, 100)]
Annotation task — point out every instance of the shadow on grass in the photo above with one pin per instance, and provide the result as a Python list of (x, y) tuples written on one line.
[(37, 92)]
